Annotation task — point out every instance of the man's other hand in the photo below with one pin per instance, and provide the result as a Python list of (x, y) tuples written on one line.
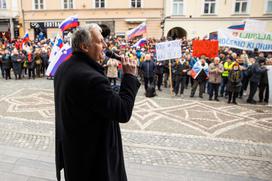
[(129, 66)]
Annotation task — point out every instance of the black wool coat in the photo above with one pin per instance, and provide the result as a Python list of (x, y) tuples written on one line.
[(88, 113)]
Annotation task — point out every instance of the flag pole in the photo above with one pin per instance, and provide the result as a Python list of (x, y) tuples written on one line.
[(170, 78)]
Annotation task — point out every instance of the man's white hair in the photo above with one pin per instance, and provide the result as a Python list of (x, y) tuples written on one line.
[(217, 58), (83, 36)]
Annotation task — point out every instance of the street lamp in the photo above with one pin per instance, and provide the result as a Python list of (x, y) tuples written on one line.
[(162, 25)]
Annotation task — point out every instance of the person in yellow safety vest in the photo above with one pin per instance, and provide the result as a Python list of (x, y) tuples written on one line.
[(227, 67)]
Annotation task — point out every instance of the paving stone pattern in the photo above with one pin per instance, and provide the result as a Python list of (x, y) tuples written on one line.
[(167, 138)]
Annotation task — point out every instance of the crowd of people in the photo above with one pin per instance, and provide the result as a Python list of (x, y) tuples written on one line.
[(27, 61), (233, 74)]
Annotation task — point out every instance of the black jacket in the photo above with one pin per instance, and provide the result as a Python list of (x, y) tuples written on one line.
[(257, 71), (88, 113), (148, 67), (179, 68), (6, 59)]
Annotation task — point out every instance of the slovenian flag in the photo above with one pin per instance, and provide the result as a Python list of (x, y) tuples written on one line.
[(137, 31), (63, 55), (70, 22), (197, 69), (140, 43), (240, 26), (25, 38), (58, 44)]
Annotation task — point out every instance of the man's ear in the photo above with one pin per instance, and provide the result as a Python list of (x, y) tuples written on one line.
[(84, 47)]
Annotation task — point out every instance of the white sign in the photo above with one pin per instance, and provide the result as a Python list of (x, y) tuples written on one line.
[(253, 25), (269, 74), (168, 50), (245, 40)]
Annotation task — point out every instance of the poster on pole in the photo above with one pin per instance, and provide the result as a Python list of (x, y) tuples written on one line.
[(245, 40), (168, 50)]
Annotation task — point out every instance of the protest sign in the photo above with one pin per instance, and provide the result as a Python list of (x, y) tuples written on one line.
[(205, 47), (245, 40), (168, 50), (253, 25)]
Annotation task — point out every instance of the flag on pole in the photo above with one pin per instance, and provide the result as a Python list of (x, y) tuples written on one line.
[(137, 31), (63, 55), (70, 22), (58, 44), (140, 43), (239, 26), (25, 38)]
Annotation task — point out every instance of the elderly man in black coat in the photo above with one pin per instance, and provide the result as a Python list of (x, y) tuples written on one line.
[(88, 112)]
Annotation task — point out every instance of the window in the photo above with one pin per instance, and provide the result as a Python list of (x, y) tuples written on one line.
[(209, 6), (136, 3), (269, 6), (3, 4), (99, 3), (38, 4), (68, 4), (241, 6), (177, 7)]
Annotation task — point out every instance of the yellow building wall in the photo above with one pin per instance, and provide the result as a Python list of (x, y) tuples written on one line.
[(224, 8)]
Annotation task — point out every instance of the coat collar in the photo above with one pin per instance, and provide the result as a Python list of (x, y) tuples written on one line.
[(84, 58)]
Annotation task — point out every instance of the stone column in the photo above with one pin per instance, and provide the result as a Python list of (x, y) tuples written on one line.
[(11, 27)]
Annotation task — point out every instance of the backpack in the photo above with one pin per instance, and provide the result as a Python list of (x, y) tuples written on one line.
[(150, 91)]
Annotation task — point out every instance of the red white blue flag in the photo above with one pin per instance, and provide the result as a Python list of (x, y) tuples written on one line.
[(70, 22), (63, 55), (137, 31), (58, 44), (240, 26), (140, 43), (25, 38)]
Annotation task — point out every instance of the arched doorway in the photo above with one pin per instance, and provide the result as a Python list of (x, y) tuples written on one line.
[(176, 33), (105, 30)]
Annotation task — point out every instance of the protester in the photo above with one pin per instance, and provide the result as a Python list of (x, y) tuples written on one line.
[(234, 83), (165, 73), (38, 61), (227, 67), (215, 71), (180, 67), (6, 59), (1, 63), (30, 64), (17, 59), (264, 88), (148, 68), (112, 71), (192, 62), (244, 65), (159, 74), (200, 75), (257, 69), (45, 58), (88, 112)]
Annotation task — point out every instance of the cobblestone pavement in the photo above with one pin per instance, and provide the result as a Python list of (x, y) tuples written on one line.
[(167, 138)]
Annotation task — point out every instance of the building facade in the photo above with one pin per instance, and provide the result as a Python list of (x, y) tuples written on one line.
[(9, 18), (198, 18), (44, 16)]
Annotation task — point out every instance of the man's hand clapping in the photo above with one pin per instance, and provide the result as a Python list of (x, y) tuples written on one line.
[(129, 66)]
